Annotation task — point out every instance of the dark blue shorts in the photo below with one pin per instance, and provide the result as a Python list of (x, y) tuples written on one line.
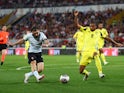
[(35, 56)]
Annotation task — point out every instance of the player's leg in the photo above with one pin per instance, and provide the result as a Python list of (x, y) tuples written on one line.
[(26, 54), (34, 71), (40, 67), (29, 74), (83, 63), (98, 65), (85, 72), (40, 63), (82, 67), (78, 56), (103, 56), (3, 56)]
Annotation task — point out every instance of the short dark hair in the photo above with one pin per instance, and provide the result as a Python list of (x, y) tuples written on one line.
[(100, 22), (93, 21), (34, 29)]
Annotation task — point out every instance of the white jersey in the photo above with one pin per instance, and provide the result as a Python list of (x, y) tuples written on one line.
[(35, 45)]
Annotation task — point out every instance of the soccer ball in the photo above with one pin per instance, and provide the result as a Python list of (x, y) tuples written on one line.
[(64, 78)]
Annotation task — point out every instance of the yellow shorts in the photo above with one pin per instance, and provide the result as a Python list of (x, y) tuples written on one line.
[(87, 57), (26, 47)]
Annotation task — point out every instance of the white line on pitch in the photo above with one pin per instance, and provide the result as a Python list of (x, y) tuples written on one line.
[(23, 67)]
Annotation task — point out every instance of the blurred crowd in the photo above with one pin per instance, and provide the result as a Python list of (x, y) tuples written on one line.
[(52, 3), (60, 28)]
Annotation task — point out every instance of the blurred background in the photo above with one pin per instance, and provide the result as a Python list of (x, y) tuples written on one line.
[(55, 18)]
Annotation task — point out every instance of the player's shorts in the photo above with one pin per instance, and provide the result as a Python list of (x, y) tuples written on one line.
[(26, 47), (35, 56), (3, 46), (87, 57)]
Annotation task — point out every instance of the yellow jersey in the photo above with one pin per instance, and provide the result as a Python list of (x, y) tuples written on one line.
[(79, 37), (103, 33), (27, 44), (90, 39)]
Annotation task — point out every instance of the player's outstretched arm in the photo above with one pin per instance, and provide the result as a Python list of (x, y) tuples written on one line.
[(20, 41), (76, 19), (46, 42), (114, 42)]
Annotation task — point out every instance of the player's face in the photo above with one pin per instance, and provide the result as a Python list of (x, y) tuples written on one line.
[(100, 26), (4, 28), (92, 26), (35, 33)]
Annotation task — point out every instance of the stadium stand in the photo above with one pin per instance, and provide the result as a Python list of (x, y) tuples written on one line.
[(51, 3), (59, 27)]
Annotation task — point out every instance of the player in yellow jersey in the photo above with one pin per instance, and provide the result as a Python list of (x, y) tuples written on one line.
[(90, 48), (103, 35), (78, 36), (27, 44)]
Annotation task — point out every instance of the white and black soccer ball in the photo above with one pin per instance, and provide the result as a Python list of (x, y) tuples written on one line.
[(64, 78)]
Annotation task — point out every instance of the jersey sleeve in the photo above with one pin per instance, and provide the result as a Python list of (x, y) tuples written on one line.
[(104, 33), (82, 29), (75, 35), (43, 36)]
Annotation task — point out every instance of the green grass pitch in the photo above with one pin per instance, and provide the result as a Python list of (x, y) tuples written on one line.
[(11, 79)]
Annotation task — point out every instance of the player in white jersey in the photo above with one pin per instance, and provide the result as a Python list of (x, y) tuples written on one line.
[(35, 38)]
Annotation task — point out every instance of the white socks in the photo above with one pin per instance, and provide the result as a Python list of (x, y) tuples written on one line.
[(30, 74), (36, 74)]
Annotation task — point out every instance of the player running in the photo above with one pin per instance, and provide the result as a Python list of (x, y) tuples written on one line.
[(35, 38), (4, 36), (78, 36), (90, 48), (103, 35)]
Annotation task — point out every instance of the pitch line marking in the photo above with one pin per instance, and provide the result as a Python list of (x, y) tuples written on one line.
[(23, 67), (19, 68), (50, 65)]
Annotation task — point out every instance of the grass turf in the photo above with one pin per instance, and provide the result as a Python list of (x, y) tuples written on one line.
[(11, 80)]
